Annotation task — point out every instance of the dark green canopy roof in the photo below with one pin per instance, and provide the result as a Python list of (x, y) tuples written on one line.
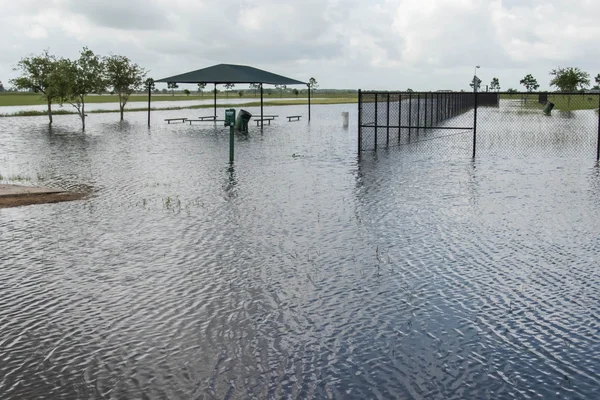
[(229, 73)]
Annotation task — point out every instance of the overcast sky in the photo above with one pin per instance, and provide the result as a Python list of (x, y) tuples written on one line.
[(369, 44)]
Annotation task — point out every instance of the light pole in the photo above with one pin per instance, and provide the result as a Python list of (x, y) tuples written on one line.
[(475, 78)]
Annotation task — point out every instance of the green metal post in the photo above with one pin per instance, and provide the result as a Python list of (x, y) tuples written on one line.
[(231, 143)]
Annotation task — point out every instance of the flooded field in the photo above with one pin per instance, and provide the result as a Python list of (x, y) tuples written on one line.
[(301, 272)]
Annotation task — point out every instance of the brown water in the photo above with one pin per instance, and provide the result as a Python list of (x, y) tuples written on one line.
[(301, 272)]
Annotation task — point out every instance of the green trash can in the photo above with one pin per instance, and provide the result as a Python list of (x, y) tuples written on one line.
[(241, 123), (548, 108)]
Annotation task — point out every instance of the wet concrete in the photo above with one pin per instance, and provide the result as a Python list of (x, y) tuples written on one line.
[(19, 195)]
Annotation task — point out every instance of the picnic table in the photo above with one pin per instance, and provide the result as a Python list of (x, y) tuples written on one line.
[(296, 117)]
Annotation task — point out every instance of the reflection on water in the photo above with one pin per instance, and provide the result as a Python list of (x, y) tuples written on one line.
[(300, 271)]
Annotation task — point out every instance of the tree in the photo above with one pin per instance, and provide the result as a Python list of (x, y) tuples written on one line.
[(240, 93), (511, 90), (409, 90), (569, 79), (82, 77), (281, 88), (296, 92), (475, 83), (228, 87), (150, 85), (186, 92), (1, 87), (255, 86), (312, 85), (201, 87), (124, 76), (37, 75), (495, 84), (172, 86), (530, 83)]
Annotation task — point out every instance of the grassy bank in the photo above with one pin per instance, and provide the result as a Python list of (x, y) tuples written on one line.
[(270, 103), (32, 99), (565, 102)]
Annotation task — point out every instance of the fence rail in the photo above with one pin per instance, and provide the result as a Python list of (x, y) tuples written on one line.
[(481, 123)]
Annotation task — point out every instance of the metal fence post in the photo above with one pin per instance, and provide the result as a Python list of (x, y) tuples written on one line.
[(387, 134), (409, 114), (425, 112), (418, 111), (359, 121), (376, 120), (475, 125), (598, 141), (399, 114)]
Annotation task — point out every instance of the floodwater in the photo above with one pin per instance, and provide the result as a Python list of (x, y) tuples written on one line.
[(300, 272), (156, 103)]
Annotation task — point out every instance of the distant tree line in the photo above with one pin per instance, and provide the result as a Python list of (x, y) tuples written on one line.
[(61, 80), (564, 79)]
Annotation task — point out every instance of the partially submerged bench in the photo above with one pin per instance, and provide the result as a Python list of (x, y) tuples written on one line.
[(204, 120), (295, 117), (175, 119), (207, 118), (265, 119)]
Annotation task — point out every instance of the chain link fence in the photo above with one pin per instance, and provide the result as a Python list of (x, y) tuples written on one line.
[(484, 125)]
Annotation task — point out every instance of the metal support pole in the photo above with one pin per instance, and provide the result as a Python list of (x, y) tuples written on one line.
[(359, 121), (261, 106), (231, 143), (387, 135), (475, 125), (308, 102), (215, 93), (149, 99), (376, 122)]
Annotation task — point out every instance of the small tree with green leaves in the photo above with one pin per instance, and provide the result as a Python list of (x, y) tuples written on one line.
[(124, 76), (281, 89), (172, 86), (186, 92), (409, 90), (530, 83), (495, 84), (475, 83), (240, 93), (37, 74), (312, 84), (569, 79), (255, 87), (149, 85), (511, 90), (201, 87), (228, 87), (85, 76), (296, 92)]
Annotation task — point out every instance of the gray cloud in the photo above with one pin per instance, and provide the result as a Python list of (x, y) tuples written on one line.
[(380, 44)]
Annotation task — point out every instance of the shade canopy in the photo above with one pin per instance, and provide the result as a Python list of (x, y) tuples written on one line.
[(230, 73)]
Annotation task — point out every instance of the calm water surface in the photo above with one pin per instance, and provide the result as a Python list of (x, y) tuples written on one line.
[(301, 272)]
